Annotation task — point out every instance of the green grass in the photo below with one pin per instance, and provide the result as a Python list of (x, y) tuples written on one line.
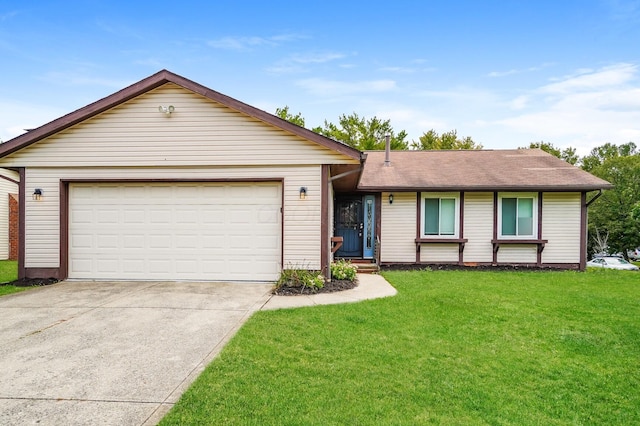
[(8, 273), (453, 347)]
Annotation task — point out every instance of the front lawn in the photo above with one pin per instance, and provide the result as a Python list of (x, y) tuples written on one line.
[(453, 347), (8, 273)]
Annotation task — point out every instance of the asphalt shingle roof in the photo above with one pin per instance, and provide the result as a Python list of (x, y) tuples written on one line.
[(475, 170)]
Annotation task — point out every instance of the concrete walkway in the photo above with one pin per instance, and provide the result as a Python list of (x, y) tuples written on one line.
[(122, 353), (370, 286)]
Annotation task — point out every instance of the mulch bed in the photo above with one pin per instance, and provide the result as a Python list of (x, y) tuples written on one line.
[(451, 267), (330, 287), (32, 282)]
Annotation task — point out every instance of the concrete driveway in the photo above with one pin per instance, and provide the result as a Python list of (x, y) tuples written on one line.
[(112, 353)]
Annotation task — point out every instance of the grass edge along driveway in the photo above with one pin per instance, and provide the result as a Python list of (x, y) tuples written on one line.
[(8, 273), (453, 347)]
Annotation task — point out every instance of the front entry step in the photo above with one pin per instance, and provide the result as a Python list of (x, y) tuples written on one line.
[(367, 268)]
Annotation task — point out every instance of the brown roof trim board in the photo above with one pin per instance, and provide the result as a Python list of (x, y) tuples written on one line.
[(152, 82), (530, 170)]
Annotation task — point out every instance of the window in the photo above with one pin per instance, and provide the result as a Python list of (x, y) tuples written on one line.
[(440, 215), (517, 216)]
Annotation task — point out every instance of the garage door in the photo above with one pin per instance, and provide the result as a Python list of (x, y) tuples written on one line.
[(175, 231)]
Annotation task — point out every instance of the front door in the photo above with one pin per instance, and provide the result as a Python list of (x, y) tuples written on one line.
[(349, 224)]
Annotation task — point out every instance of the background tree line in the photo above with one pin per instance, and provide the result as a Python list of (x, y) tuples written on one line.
[(615, 217)]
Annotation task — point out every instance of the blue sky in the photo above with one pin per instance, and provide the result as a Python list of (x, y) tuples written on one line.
[(506, 73)]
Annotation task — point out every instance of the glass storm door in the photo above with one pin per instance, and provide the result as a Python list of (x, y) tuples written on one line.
[(349, 225), (368, 237)]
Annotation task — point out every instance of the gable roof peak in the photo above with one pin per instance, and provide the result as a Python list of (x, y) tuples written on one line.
[(156, 80)]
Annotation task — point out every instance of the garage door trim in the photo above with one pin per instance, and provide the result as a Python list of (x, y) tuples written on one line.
[(63, 272)]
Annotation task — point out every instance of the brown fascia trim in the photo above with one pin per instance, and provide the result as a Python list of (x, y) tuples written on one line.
[(494, 259), (418, 223), (584, 205), (22, 273), (9, 179), (482, 189), (152, 82), (325, 245), (170, 180), (539, 230)]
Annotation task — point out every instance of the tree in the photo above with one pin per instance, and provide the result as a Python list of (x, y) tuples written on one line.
[(635, 211), (447, 140), (605, 152), (614, 213), (568, 154), (284, 113), (363, 134)]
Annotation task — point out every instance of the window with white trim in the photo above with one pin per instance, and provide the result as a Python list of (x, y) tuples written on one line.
[(518, 215), (440, 215)]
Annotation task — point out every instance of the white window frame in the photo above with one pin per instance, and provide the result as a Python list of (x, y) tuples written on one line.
[(440, 195), (534, 234)]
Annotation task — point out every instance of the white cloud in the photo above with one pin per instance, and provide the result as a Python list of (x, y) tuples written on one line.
[(402, 70), (239, 43), (297, 63), (517, 71), (323, 87), (519, 102), (249, 42), (502, 73), (414, 121), (316, 58), (584, 110), (610, 76)]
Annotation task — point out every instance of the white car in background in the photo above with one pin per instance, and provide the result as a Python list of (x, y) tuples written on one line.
[(612, 262), (634, 254)]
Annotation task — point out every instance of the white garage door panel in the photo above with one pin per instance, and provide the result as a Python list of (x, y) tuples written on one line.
[(175, 231)]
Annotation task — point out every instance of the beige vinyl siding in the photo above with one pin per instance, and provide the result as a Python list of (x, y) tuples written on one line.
[(478, 226), (199, 132), (526, 253), (439, 253), (398, 228), (6, 187), (561, 226), (301, 218)]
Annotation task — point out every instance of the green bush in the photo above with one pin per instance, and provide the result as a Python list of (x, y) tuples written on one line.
[(343, 270), (298, 277)]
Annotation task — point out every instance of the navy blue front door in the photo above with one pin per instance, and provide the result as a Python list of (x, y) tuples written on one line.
[(349, 225)]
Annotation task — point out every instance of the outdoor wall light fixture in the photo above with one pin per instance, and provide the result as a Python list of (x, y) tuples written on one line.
[(167, 110), (37, 194), (390, 198), (303, 192)]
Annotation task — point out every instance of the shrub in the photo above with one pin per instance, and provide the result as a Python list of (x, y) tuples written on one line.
[(343, 270), (298, 277)]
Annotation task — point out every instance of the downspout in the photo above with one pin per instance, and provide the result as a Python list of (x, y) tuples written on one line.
[(595, 197)]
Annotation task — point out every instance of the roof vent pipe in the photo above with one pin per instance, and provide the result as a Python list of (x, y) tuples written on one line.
[(387, 150)]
